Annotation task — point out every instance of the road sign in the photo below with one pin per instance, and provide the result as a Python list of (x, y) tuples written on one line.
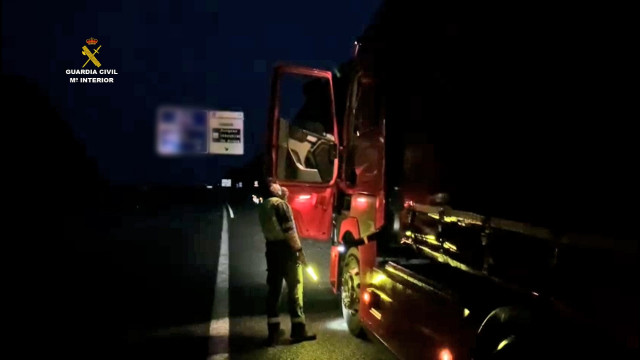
[(182, 131), (225, 183), (195, 132), (168, 136), (226, 132)]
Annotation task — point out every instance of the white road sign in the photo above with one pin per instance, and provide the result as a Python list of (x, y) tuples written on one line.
[(225, 183), (226, 132)]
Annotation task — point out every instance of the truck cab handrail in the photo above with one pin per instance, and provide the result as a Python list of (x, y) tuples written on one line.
[(584, 240), (448, 214)]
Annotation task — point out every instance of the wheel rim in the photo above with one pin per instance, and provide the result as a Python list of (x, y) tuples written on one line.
[(351, 285)]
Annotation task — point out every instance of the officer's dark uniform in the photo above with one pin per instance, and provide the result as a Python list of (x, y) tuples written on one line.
[(280, 233)]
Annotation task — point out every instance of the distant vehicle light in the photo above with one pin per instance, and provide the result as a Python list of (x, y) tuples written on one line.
[(341, 248), (209, 187), (445, 354), (466, 312), (255, 184)]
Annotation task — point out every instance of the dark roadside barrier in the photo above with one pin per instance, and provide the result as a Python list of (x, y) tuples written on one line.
[(152, 199)]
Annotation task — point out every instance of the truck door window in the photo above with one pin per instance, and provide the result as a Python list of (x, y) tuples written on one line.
[(306, 142), (367, 106), (365, 148)]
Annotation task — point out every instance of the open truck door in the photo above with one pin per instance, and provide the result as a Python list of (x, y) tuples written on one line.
[(303, 135)]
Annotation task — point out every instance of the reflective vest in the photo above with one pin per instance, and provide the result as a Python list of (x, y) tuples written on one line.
[(271, 227)]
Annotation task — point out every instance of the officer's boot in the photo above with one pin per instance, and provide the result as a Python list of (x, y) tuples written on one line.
[(275, 333), (299, 333)]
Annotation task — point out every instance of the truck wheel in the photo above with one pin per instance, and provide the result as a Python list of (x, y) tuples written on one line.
[(350, 292), (501, 336)]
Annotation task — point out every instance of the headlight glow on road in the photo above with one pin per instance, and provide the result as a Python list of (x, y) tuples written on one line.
[(337, 324)]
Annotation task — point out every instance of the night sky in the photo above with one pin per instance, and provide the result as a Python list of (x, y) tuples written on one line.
[(210, 54)]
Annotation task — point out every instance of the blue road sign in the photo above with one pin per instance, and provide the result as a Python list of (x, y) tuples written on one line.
[(194, 133), (168, 137), (182, 131)]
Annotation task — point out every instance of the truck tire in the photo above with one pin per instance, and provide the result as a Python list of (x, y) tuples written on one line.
[(508, 334), (350, 292)]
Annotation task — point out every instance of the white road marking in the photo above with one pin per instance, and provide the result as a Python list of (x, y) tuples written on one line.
[(230, 210), (218, 357), (219, 325)]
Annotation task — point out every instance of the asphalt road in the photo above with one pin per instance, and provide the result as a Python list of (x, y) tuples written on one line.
[(189, 283), (161, 280)]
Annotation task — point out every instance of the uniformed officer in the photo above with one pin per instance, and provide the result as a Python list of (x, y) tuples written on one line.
[(285, 260)]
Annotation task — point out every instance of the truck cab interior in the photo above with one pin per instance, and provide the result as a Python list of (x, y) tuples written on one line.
[(306, 143)]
